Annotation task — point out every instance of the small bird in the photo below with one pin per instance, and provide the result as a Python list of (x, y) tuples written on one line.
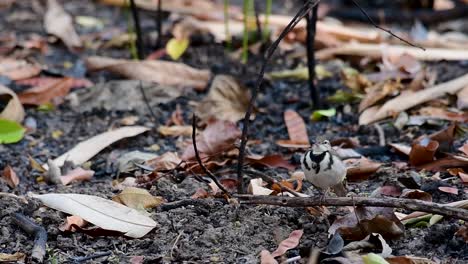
[(324, 169)]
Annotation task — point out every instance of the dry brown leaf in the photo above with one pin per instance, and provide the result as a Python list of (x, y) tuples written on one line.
[(16, 257), (200, 193), (289, 243), (360, 169), (402, 148), (463, 176), (439, 113), (464, 148), (416, 194), (423, 151), (377, 92), (371, 220), (51, 92), (10, 177), (462, 99), (218, 136), (72, 220), (18, 69), (13, 109), (401, 62), (138, 198), (287, 143), (162, 72), (442, 164), (409, 260), (78, 174), (267, 258), (167, 161), (175, 130), (272, 161), (295, 124), (43, 81), (59, 23), (226, 100), (410, 99)]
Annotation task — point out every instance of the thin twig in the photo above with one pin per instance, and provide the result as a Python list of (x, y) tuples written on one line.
[(90, 257), (40, 235), (159, 24), (409, 204), (139, 36), (381, 134), (200, 162), (145, 99), (384, 29), (311, 29), (269, 52), (257, 20)]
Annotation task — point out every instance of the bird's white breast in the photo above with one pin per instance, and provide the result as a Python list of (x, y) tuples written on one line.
[(327, 176)]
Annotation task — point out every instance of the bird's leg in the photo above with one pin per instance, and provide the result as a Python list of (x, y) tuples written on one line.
[(323, 194)]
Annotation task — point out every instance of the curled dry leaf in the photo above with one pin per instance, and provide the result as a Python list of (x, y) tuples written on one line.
[(13, 109), (138, 198), (167, 161), (72, 220), (78, 174), (101, 212), (175, 130), (463, 177), (445, 137), (401, 62), (371, 220), (378, 92), (10, 177), (59, 23), (360, 169), (218, 136), (18, 69), (291, 242), (423, 151), (451, 190), (297, 130), (48, 93), (439, 113), (162, 72), (256, 187), (417, 194), (226, 100), (272, 161), (408, 100), (85, 150)]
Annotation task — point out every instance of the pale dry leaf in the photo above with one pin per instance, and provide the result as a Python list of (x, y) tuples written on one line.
[(451, 190), (226, 100), (85, 150), (289, 243), (101, 212), (161, 72), (267, 258), (167, 161), (256, 187), (175, 131), (440, 113), (13, 109), (359, 169), (462, 99), (137, 198), (10, 177), (402, 148), (72, 220), (18, 69), (59, 23), (400, 62), (378, 92), (464, 148), (42, 81), (218, 136), (16, 257), (409, 100), (52, 92), (77, 174)]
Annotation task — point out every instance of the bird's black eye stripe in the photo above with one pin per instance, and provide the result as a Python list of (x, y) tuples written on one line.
[(304, 160)]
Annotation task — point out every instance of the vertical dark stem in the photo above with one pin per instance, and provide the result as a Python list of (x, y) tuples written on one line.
[(159, 24), (139, 38), (311, 28), (269, 52), (257, 20)]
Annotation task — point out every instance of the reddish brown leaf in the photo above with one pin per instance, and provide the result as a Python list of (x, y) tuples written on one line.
[(18, 69), (295, 124), (217, 137), (167, 161), (43, 81), (10, 177), (451, 161), (52, 92), (423, 151), (272, 161), (137, 259), (463, 233), (267, 258), (200, 193), (390, 190), (286, 143), (439, 113), (445, 137), (464, 148), (417, 194), (289, 243), (451, 190), (360, 169), (78, 174), (71, 221), (409, 260)]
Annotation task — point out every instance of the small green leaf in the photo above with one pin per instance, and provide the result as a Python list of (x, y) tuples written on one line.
[(47, 107), (301, 73), (344, 97), (435, 219), (373, 258), (175, 48), (414, 221), (10, 131), (318, 114)]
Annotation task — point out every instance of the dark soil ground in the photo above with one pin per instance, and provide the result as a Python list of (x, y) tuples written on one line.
[(212, 231)]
